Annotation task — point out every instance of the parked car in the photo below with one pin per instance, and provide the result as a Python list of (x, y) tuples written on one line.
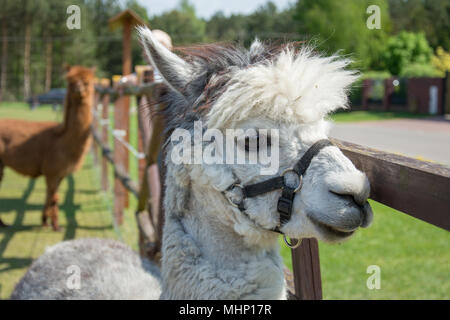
[(55, 97)]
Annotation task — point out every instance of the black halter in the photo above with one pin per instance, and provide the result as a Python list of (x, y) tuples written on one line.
[(286, 200)]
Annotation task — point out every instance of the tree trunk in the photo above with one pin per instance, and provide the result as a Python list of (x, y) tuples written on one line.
[(26, 62), (4, 60), (49, 62)]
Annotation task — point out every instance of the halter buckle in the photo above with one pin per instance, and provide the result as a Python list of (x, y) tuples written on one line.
[(300, 179)]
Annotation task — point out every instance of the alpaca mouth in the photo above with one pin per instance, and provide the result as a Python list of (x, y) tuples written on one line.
[(332, 231)]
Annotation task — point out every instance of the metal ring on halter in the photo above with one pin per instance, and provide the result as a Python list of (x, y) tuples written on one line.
[(290, 245), (300, 178), (236, 185)]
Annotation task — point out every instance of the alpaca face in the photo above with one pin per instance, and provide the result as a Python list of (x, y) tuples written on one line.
[(287, 92), (332, 202), (81, 81)]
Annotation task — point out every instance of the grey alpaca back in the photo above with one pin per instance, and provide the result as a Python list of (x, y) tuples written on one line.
[(108, 270)]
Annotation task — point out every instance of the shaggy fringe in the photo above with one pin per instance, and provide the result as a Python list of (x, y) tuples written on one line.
[(210, 60)]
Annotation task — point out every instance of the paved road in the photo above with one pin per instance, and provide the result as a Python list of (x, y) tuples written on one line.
[(427, 139)]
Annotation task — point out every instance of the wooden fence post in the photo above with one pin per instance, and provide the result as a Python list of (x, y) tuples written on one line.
[(142, 214), (148, 208), (144, 129), (95, 124), (143, 134), (121, 131), (105, 138), (306, 268), (125, 19)]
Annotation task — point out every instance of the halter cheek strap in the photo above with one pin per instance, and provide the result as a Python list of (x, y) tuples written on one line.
[(286, 201)]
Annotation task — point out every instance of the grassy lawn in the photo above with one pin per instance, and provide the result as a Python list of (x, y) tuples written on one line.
[(83, 213), (414, 257), (21, 110), (356, 116)]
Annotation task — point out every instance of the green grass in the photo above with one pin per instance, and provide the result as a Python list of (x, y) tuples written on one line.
[(414, 256), (20, 110), (357, 116)]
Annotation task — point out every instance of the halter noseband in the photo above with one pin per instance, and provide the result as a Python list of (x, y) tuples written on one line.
[(285, 202)]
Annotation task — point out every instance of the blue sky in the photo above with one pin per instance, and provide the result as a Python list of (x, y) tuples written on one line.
[(206, 8)]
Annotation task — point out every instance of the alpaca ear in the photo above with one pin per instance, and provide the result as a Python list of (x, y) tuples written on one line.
[(175, 71), (67, 67)]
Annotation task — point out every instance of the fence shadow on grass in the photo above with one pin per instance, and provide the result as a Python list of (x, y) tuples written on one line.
[(70, 208), (20, 207)]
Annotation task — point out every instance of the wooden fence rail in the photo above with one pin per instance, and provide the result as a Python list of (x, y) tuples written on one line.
[(417, 188)]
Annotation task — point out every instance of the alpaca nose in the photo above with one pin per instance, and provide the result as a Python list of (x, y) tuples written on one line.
[(356, 188)]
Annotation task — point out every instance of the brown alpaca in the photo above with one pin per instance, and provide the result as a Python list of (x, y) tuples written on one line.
[(51, 149)]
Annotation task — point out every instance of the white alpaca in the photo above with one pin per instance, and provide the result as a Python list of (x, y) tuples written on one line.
[(211, 249)]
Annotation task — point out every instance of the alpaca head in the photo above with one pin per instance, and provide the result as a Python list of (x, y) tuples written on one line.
[(80, 81), (277, 96)]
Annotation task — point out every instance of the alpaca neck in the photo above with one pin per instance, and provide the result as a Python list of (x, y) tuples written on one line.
[(77, 118), (204, 258)]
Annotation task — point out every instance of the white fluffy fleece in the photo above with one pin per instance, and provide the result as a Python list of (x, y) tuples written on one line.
[(299, 87)]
